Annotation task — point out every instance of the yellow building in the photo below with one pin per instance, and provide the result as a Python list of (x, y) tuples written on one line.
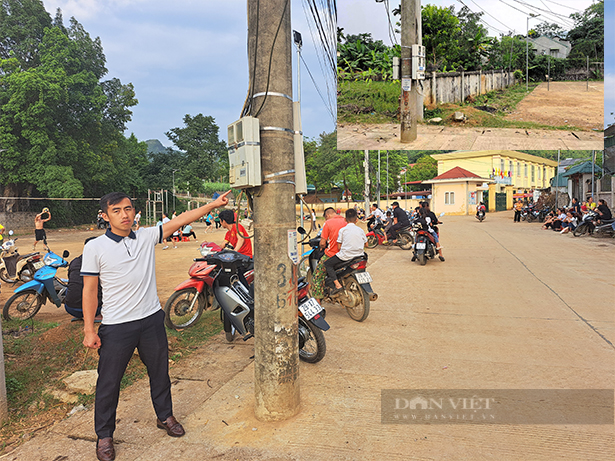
[(458, 191), (506, 167)]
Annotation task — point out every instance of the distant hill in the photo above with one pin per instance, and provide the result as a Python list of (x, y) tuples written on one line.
[(155, 146)]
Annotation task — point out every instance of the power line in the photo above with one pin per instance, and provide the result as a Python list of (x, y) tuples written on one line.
[(482, 20), (565, 6), (327, 105), (508, 27)]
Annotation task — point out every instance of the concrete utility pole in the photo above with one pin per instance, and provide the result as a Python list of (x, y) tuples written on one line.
[(276, 349), (366, 194), (411, 105), (4, 410), (527, 48)]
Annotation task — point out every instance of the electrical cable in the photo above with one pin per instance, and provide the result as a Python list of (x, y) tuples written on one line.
[(247, 105), (275, 38), (328, 107), (486, 12)]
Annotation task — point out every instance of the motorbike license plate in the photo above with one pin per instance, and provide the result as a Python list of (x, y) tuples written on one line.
[(37, 265), (421, 245), (363, 277), (310, 308)]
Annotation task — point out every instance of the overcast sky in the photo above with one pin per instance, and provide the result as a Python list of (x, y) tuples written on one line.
[(187, 57)]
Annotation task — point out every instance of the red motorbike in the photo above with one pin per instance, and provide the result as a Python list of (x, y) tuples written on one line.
[(377, 237), (191, 297)]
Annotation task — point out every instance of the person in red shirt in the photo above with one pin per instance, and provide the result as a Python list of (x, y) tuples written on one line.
[(240, 243), (328, 241)]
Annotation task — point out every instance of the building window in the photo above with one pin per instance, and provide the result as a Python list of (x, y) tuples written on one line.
[(502, 164), (518, 169), (525, 169), (510, 167), (533, 173), (538, 173), (449, 198)]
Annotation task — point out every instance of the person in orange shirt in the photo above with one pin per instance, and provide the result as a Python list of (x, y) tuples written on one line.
[(240, 243), (328, 242)]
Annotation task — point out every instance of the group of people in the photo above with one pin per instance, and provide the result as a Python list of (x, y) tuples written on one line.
[(397, 218), (565, 220)]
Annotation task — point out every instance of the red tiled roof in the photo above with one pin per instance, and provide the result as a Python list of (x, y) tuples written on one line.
[(456, 173)]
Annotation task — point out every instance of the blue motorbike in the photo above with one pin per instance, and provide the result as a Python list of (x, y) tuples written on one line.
[(29, 297)]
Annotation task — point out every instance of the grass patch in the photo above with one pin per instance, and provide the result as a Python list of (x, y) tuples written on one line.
[(38, 356), (368, 102), (378, 102)]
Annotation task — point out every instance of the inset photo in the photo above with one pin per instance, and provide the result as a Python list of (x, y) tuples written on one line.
[(476, 75)]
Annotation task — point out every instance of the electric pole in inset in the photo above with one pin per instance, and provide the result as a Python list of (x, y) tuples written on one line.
[(366, 193), (276, 349), (411, 104)]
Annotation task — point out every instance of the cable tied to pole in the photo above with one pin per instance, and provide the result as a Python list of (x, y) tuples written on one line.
[(249, 199)]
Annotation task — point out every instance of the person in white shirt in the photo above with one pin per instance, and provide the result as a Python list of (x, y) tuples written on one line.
[(352, 241), (123, 261), (376, 218)]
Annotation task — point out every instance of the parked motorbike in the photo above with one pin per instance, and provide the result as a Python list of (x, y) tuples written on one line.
[(191, 297), (377, 237), (357, 292), (235, 295), (15, 267), (29, 297), (588, 225), (533, 214)]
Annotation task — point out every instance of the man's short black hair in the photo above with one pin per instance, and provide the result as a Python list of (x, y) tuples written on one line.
[(395, 204), (227, 216), (375, 205), (113, 198), (351, 214), (327, 210)]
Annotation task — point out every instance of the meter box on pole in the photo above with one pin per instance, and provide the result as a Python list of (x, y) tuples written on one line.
[(244, 153), (418, 62)]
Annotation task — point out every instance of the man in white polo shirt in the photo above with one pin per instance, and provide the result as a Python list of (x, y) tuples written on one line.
[(351, 240), (124, 261)]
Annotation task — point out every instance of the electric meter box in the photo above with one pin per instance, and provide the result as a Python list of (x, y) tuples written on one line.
[(418, 62), (244, 153)]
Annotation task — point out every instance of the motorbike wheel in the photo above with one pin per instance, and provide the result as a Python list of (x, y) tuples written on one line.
[(405, 240), (422, 258), (22, 306), (312, 346), (580, 230), (177, 311), (4, 275), (372, 241), (530, 218), (304, 266), (360, 311)]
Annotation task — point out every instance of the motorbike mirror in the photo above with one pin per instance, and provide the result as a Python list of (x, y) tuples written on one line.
[(442, 214), (65, 254), (301, 230), (11, 232)]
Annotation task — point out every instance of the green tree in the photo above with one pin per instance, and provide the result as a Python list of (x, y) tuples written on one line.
[(425, 168), (550, 30), (205, 156), (441, 32), (22, 26), (587, 36), (61, 127), (474, 39)]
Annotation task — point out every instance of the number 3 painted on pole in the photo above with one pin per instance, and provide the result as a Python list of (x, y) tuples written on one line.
[(282, 271)]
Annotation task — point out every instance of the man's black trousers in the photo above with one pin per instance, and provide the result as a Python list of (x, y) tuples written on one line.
[(118, 343)]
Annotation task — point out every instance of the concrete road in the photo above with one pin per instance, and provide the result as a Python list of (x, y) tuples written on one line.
[(513, 307), (386, 137)]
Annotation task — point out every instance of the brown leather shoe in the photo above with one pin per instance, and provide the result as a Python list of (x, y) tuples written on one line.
[(105, 450), (173, 428)]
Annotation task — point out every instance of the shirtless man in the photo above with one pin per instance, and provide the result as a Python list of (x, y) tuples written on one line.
[(39, 231)]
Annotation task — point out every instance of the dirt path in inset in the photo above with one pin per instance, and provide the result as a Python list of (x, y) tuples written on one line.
[(577, 104)]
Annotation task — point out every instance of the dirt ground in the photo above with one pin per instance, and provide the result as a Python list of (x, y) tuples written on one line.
[(565, 103), (512, 307), (171, 264)]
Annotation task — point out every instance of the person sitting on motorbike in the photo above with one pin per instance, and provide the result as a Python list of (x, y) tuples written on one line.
[(427, 223), (400, 219), (73, 298), (481, 207), (388, 222), (351, 241), (376, 218), (604, 213), (328, 242)]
